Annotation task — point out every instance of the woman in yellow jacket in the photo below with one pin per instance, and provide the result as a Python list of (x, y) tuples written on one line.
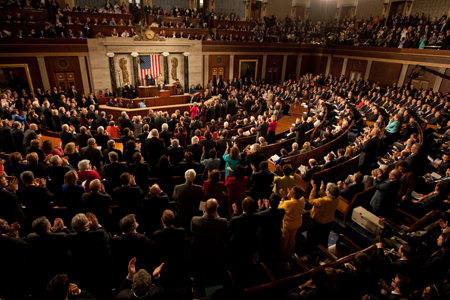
[(322, 213), (292, 220)]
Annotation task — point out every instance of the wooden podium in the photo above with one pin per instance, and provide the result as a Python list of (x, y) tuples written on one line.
[(148, 91), (164, 93)]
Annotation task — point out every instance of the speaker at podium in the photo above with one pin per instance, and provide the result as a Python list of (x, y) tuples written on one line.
[(164, 93)]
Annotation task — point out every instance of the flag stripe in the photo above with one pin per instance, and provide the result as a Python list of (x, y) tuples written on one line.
[(149, 64)]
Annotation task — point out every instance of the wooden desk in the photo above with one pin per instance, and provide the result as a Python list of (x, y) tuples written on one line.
[(39, 15), (148, 91), (158, 101), (164, 94), (98, 16)]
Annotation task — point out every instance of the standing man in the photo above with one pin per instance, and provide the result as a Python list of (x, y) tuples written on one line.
[(161, 86), (149, 80)]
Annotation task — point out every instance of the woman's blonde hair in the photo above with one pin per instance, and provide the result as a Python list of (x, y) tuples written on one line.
[(71, 178), (32, 157), (69, 149), (349, 152), (273, 118)]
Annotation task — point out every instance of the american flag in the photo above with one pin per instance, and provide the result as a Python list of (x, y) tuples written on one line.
[(149, 65)]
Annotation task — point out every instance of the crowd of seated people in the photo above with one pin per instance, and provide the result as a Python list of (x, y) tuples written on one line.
[(401, 31), (232, 228)]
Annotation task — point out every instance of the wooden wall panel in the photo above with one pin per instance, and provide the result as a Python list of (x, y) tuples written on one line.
[(356, 65), (51, 64), (336, 66), (274, 67), (214, 62), (445, 85), (313, 64), (247, 57), (291, 66), (431, 78), (385, 73), (33, 67)]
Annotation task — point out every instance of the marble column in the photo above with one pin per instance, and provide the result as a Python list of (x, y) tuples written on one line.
[(299, 66), (283, 68), (368, 68), (137, 82), (402, 77), (206, 70), (166, 67), (112, 72), (186, 71), (43, 72), (264, 67), (231, 67), (344, 66)]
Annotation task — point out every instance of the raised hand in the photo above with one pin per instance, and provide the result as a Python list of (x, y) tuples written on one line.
[(132, 268), (157, 271)]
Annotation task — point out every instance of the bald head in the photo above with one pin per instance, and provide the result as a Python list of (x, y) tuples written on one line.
[(211, 207), (395, 174), (33, 127), (155, 190)]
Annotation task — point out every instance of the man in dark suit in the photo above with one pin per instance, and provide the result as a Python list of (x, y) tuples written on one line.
[(269, 232), (63, 117), (330, 161), (261, 182), (114, 170), (222, 143), (300, 128), (254, 158), (35, 197), (210, 232), (231, 106), (195, 148), (88, 246), (313, 168), (129, 90), (243, 227), (384, 201), (49, 254), (30, 135), (6, 135), (341, 156), (108, 93), (168, 242), (15, 249), (10, 209), (196, 124), (188, 196), (262, 127), (149, 80), (155, 148), (369, 151), (93, 155), (166, 135), (73, 93), (98, 202), (357, 186), (83, 137), (161, 86), (128, 196), (111, 148), (17, 137), (154, 204), (34, 147), (102, 138), (189, 163), (101, 120), (128, 245), (66, 135), (125, 121)]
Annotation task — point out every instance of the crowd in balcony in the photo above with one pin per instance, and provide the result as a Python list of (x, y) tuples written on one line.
[(415, 31)]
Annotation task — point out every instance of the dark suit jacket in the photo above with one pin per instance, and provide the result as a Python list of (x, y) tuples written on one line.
[(261, 130), (169, 244), (351, 190), (28, 137), (222, 146), (188, 197), (126, 246), (17, 137), (384, 201), (66, 137), (328, 165), (255, 159), (341, 159), (161, 87), (244, 238), (194, 126), (269, 232), (10, 209), (102, 140), (129, 198), (94, 155), (309, 173), (102, 122), (98, 204), (300, 130), (209, 238), (113, 171), (82, 139), (155, 148), (37, 201), (196, 150), (261, 183), (38, 151)]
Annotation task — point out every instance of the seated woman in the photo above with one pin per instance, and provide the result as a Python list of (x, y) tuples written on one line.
[(100, 94), (110, 102), (34, 166), (16, 166), (284, 153), (86, 174), (114, 33)]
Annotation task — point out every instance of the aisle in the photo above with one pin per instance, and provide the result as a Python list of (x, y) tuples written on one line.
[(286, 122)]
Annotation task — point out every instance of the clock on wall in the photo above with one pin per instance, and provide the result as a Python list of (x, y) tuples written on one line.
[(274, 59), (62, 63), (357, 64), (219, 60)]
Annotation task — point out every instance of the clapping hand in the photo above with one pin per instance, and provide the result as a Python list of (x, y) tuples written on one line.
[(313, 184), (14, 230), (58, 224), (74, 290), (235, 210), (157, 271), (93, 221), (131, 268), (14, 185), (322, 186)]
